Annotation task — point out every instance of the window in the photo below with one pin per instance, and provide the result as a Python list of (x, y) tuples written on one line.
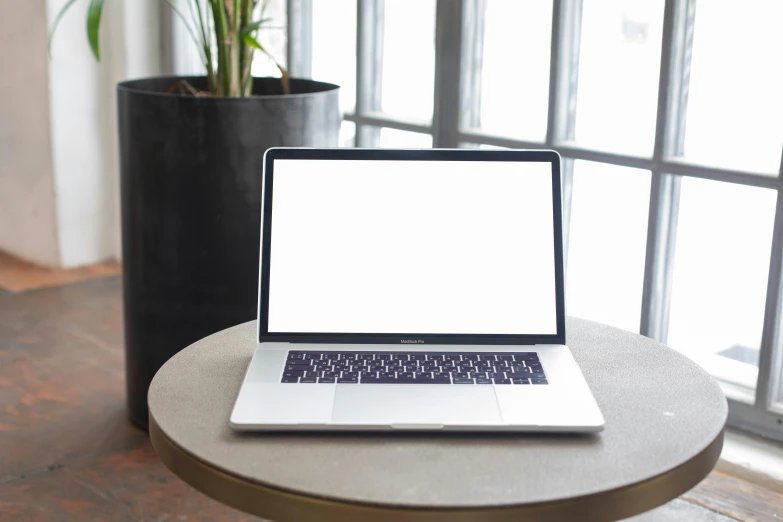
[(669, 117), (719, 280), (606, 243)]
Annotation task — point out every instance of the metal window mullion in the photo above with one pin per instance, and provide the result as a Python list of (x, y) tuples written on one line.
[(375, 119), (167, 44), (676, 44), (472, 67), (750, 418), (682, 167), (563, 71), (563, 84), (671, 165), (300, 38), (770, 356), (369, 67), (448, 64)]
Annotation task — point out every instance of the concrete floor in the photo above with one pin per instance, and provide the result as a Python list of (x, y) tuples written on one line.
[(67, 452)]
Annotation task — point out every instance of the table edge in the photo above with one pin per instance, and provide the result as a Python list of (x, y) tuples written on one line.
[(283, 505)]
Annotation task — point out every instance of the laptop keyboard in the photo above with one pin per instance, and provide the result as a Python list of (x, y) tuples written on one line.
[(515, 368)]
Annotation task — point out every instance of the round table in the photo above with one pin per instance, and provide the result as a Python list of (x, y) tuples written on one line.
[(664, 432)]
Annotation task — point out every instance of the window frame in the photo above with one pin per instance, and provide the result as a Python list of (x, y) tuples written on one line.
[(458, 48)]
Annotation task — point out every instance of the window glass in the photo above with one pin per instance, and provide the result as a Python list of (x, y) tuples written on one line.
[(607, 243), (721, 264), (735, 106), (408, 76), (274, 37), (393, 138), (619, 62), (514, 68), (334, 51)]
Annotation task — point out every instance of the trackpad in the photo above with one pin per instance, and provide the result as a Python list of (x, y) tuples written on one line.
[(411, 404)]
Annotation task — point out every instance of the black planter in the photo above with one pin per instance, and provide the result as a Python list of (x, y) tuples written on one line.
[(191, 206)]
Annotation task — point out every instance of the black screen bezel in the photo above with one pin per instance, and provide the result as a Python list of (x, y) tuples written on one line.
[(408, 155)]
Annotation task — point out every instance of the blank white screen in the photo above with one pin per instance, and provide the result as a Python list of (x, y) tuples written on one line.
[(412, 247)]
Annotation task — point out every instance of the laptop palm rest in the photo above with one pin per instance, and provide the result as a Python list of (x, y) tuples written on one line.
[(405, 406)]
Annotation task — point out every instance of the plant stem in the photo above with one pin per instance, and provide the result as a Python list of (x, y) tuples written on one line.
[(223, 43), (247, 51), (235, 26)]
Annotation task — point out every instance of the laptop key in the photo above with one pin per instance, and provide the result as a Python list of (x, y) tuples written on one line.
[(379, 380), (290, 379), (520, 381), (331, 375), (502, 381), (539, 381), (480, 380), (308, 380), (536, 375), (326, 379), (462, 381), (348, 380), (297, 367), (294, 374)]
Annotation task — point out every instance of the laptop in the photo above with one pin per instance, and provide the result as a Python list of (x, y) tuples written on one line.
[(412, 290)]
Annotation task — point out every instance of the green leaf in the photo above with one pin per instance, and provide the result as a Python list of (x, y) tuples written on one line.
[(57, 22), (93, 26), (253, 26), (252, 42)]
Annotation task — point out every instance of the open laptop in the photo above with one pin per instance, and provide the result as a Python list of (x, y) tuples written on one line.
[(412, 290)]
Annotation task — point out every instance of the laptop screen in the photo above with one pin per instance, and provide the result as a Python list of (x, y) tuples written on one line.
[(412, 247)]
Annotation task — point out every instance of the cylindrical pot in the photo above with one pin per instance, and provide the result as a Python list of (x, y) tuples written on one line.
[(190, 174)]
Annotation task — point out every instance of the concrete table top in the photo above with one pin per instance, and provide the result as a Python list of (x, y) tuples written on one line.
[(664, 432)]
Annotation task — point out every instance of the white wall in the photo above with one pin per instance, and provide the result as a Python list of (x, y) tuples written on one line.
[(77, 101), (28, 222), (59, 182), (83, 120)]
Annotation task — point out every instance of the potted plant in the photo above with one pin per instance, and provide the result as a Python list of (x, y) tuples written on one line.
[(191, 151)]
